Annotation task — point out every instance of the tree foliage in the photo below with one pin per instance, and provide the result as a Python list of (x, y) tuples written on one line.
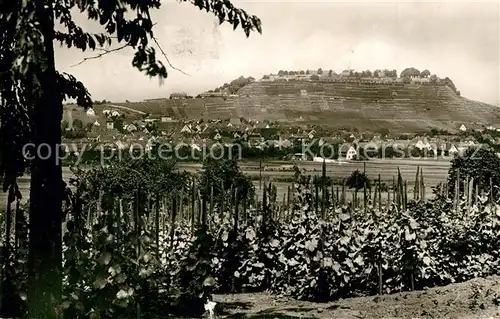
[(425, 73), (223, 176), (78, 129), (358, 180), (448, 82), (410, 72), (479, 164), (235, 84)]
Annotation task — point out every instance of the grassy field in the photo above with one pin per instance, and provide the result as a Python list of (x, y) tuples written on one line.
[(434, 171)]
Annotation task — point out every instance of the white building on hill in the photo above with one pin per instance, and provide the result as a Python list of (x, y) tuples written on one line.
[(131, 128), (453, 150), (463, 128), (186, 129), (423, 144), (351, 153), (111, 113)]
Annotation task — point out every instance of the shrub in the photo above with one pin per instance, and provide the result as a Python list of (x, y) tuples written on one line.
[(224, 175), (358, 180), (479, 163)]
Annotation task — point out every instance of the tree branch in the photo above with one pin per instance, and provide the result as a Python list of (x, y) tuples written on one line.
[(166, 57), (100, 55)]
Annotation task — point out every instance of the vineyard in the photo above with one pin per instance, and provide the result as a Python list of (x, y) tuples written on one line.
[(364, 106), (144, 241)]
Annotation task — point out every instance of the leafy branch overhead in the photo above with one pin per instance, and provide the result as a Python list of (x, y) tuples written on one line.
[(226, 12), (100, 55), (127, 22), (136, 32)]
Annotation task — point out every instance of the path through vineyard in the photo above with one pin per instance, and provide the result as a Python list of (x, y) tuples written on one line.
[(477, 298)]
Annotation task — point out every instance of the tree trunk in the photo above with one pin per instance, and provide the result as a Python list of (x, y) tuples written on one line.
[(45, 253)]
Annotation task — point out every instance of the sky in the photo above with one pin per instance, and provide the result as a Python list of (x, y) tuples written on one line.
[(459, 40)]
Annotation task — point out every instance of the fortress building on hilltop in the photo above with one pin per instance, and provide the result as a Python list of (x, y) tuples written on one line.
[(178, 96)]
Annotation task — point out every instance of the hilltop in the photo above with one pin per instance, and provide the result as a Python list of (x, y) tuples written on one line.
[(406, 104)]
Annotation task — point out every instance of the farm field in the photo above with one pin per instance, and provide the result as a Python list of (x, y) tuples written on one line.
[(434, 171)]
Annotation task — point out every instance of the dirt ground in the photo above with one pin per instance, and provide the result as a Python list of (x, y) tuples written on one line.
[(478, 298)]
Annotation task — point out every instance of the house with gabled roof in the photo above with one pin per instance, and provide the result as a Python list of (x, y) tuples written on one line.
[(110, 125), (351, 153), (235, 121), (186, 129), (421, 143), (452, 149), (311, 134), (131, 127), (470, 141)]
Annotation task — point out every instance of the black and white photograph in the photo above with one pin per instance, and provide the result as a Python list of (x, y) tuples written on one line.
[(248, 159)]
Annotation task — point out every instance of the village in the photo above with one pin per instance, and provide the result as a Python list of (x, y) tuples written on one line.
[(118, 132)]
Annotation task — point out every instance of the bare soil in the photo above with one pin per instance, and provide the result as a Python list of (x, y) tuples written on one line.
[(478, 298)]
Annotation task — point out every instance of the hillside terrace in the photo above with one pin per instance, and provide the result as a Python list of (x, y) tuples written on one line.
[(350, 104)]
